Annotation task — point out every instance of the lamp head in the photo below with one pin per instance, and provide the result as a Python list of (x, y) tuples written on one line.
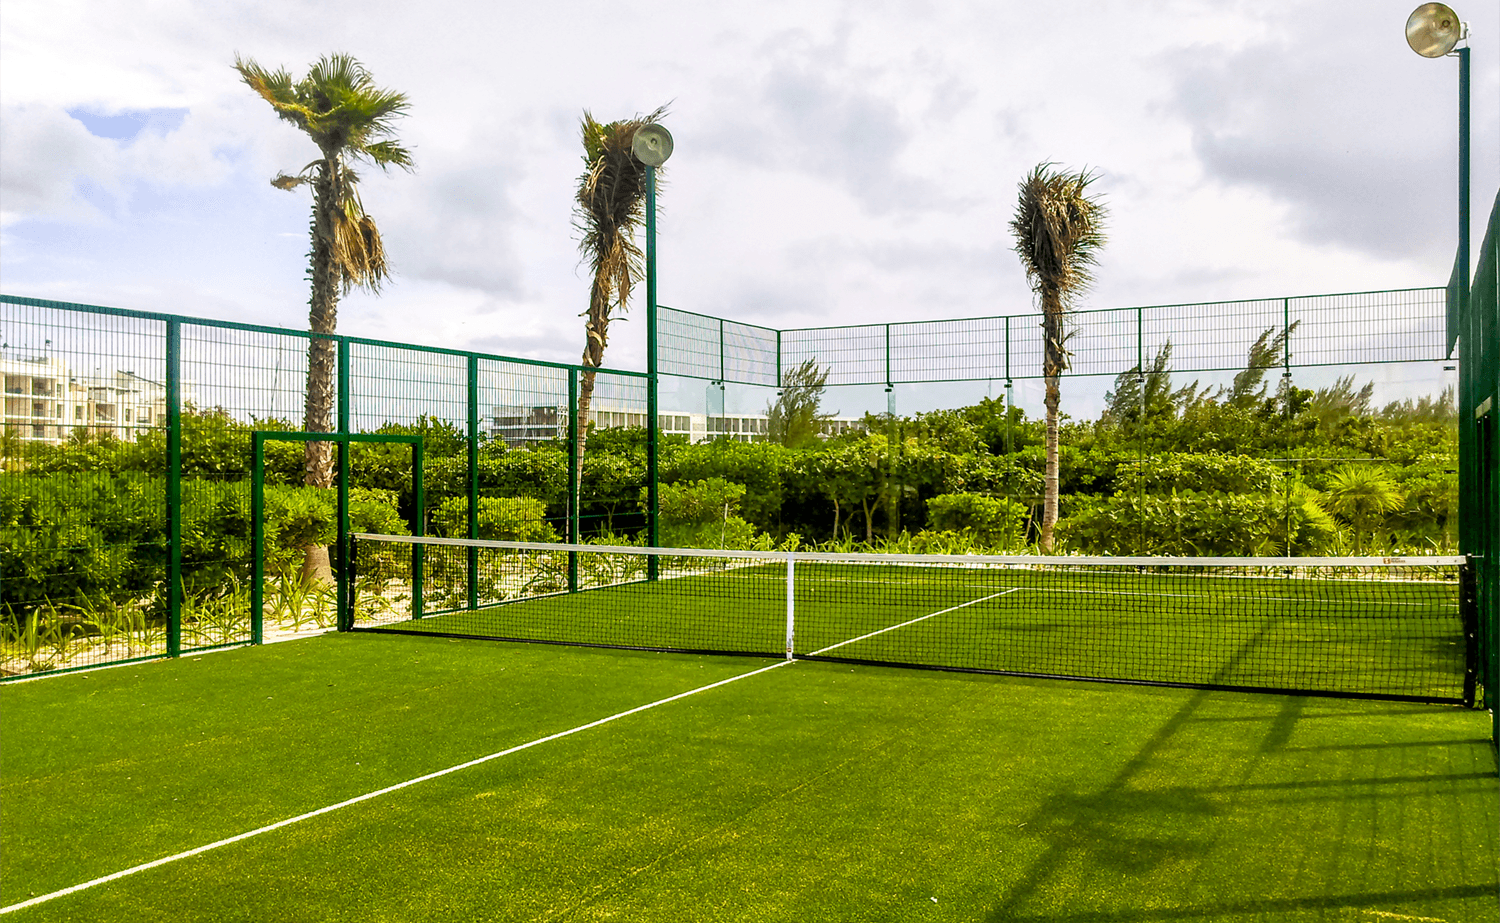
[(652, 145), (1433, 29)]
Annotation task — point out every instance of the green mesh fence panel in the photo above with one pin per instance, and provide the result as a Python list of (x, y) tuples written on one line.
[(87, 486), (83, 548), (1346, 329)]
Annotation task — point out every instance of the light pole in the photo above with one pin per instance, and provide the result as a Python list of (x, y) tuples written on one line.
[(652, 146), (1433, 30)]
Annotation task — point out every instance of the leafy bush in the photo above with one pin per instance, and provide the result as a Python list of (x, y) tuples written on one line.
[(507, 519), (990, 520), (702, 514), (1203, 524), (68, 537)]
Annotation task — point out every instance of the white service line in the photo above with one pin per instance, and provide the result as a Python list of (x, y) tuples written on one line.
[(376, 794), (914, 621)]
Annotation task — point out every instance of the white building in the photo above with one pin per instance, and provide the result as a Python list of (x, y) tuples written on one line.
[(45, 402), (517, 426)]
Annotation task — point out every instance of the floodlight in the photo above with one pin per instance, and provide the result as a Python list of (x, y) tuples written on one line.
[(1433, 29), (652, 145)]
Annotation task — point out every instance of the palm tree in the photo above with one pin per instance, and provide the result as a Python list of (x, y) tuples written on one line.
[(1059, 231), (611, 205), (1363, 495), (350, 119)]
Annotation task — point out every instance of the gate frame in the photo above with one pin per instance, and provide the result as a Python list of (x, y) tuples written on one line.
[(343, 573)]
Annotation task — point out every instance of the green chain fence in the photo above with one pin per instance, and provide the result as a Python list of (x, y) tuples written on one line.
[(125, 497)]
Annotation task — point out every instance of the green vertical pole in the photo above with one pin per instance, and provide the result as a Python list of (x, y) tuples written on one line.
[(1140, 432), (892, 502), (653, 422), (573, 504), (346, 616), (174, 487), (346, 569), (1007, 353), (1286, 387), (257, 537), (778, 358), (1286, 326), (473, 562), (888, 357), (1010, 440), (1140, 342), (1465, 270), (418, 528), (1470, 516)]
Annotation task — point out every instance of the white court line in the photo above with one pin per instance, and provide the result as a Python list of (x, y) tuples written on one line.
[(913, 621), (376, 794)]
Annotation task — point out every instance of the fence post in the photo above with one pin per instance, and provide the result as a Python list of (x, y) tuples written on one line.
[(174, 487), (257, 537), (574, 501), (473, 397)]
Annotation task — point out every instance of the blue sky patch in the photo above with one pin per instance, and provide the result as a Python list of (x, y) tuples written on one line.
[(125, 125)]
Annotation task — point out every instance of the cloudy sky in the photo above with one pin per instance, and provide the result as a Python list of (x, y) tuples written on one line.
[(836, 162)]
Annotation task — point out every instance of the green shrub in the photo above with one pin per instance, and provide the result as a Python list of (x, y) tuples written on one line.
[(506, 519), (991, 520), (702, 514), (1203, 524)]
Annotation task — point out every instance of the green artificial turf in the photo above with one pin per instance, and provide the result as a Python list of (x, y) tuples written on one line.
[(811, 791)]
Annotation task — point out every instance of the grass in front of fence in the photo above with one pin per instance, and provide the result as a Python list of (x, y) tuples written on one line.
[(811, 791)]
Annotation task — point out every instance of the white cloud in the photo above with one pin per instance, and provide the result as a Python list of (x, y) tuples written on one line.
[(836, 162)]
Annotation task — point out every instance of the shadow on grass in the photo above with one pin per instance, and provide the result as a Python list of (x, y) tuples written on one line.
[(1372, 901), (1139, 829)]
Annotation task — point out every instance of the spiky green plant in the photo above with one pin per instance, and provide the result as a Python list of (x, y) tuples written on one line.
[(1362, 495)]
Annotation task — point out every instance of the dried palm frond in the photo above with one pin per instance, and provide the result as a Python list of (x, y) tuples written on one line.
[(1059, 232)]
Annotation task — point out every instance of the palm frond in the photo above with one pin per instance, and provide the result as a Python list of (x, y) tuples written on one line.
[(609, 207), (337, 105), (1059, 231)]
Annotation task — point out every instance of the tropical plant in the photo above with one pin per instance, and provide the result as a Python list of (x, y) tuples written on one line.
[(610, 206), (794, 418), (350, 119), (1362, 495), (1059, 230)]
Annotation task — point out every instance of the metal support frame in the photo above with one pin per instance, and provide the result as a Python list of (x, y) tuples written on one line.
[(343, 565)]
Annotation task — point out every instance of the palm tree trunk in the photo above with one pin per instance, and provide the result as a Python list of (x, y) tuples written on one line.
[(1054, 360), (322, 357), (596, 331), (1049, 478), (585, 399)]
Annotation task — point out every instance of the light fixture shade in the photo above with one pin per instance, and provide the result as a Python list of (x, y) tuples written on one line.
[(1433, 29), (652, 145)]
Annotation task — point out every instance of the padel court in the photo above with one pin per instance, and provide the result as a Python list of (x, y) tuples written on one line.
[(361, 776)]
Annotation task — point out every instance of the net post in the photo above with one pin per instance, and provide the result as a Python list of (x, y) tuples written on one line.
[(1468, 602), (791, 603), (346, 620)]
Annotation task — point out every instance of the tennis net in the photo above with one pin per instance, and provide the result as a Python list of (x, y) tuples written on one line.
[(1397, 628)]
